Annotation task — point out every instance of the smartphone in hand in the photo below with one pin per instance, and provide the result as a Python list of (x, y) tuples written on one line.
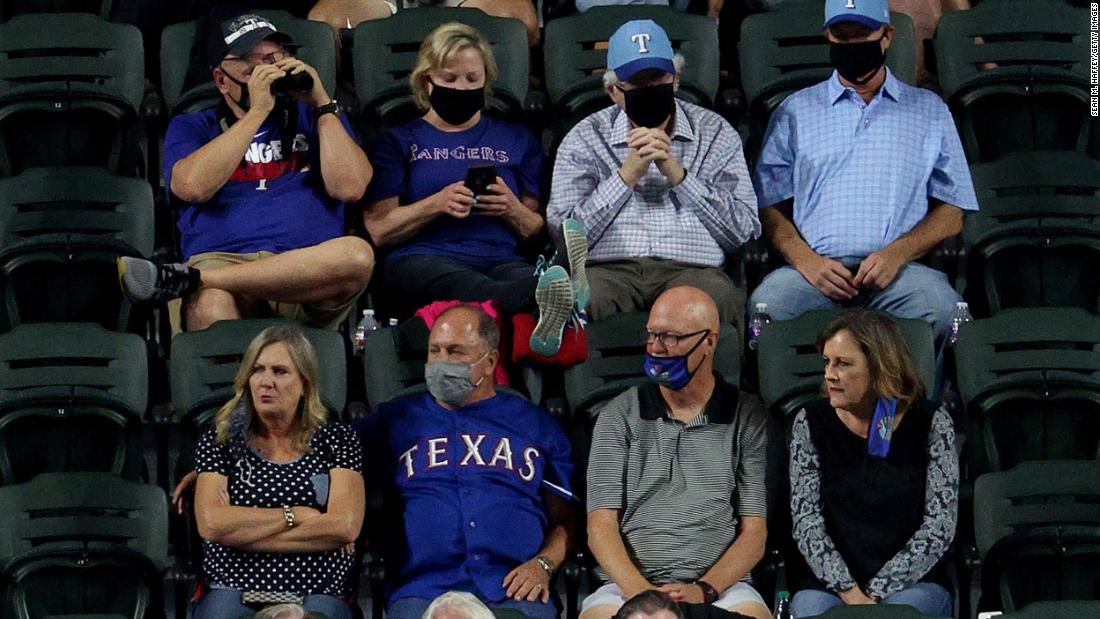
[(479, 177)]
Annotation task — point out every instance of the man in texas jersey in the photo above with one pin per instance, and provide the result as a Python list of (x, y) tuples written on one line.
[(475, 483), (260, 183)]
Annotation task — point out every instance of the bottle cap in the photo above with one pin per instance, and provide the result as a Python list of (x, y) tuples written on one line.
[(962, 304), (761, 307)]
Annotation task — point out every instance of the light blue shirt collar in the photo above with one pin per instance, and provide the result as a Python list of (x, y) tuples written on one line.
[(889, 88)]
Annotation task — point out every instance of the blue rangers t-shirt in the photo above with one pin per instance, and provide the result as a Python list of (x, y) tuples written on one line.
[(465, 489), (274, 201), (415, 160)]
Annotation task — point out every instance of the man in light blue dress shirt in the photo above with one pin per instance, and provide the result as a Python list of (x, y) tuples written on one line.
[(860, 176), (660, 184)]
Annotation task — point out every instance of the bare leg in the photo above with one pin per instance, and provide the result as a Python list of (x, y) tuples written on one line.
[(331, 271), (337, 13), (523, 10), (208, 306)]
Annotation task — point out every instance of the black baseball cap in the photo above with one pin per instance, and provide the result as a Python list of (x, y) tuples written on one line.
[(237, 36)]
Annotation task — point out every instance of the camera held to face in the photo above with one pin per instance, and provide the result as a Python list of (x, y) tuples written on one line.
[(291, 83)]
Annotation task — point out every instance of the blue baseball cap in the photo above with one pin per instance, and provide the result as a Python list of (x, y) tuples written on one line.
[(871, 13), (637, 45)]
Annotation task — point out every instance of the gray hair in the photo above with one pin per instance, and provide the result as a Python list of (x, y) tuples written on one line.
[(610, 79), (283, 611), (462, 603)]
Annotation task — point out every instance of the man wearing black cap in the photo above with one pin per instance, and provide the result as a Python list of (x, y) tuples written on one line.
[(263, 178)]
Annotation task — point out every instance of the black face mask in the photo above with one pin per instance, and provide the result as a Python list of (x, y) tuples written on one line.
[(855, 60), (456, 106), (649, 106), (243, 102)]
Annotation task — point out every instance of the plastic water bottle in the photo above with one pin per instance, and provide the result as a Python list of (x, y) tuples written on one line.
[(366, 324), (783, 606), (959, 317), (756, 324), (393, 322)]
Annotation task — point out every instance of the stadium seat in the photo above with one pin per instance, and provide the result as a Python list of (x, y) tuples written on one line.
[(72, 398), (1057, 610), (875, 611), (60, 232), (385, 51), (791, 368), (1030, 379), (1036, 239), (1016, 75), (393, 361), (576, 58), (71, 86), (1037, 529), (785, 50), (11, 8), (83, 545), (188, 84)]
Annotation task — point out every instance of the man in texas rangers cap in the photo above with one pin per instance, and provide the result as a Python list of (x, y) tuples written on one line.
[(660, 184), (475, 484), (860, 176), (260, 181)]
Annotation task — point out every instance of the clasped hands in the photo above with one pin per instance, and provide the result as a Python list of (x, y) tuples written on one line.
[(877, 271), (650, 146)]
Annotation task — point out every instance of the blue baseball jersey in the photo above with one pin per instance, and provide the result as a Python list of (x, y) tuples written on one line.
[(464, 490)]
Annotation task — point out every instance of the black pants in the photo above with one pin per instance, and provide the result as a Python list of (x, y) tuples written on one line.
[(414, 281)]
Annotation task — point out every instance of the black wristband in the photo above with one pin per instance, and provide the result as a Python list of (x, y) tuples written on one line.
[(332, 107), (710, 594)]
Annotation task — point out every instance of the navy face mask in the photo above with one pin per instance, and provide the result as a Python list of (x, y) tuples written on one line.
[(672, 372)]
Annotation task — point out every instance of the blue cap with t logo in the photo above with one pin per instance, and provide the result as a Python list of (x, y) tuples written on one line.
[(639, 44), (870, 13)]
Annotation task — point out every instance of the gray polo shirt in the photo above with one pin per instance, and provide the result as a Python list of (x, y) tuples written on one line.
[(680, 486)]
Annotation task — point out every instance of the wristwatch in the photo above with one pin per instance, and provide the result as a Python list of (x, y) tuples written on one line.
[(546, 564), (710, 594), (288, 515), (332, 107)]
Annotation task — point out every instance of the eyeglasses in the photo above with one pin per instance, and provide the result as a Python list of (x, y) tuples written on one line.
[(669, 340)]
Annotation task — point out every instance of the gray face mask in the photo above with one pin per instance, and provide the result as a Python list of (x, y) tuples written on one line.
[(450, 382)]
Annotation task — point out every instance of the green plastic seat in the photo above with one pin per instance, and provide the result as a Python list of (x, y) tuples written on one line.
[(60, 232), (82, 545), (876, 611), (72, 398), (1058, 610), (1016, 75), (1037, 529), (1039, 223), (1031, 380), (71, 86), (785, 50), (317, 48), (385, 51), (576, 57), (792, 370), (11, 8)]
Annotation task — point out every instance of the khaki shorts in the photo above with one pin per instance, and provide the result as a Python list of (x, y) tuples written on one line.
[(325, 314)]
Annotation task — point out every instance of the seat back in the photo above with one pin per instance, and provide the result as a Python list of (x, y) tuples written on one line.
[(1016, 74), (385, 51), (72, 397), (576, 57), (1037, 528), (1039, 223), (11, 8), (70, 97), (876, 611), (616, 353), (393, 361), (1031, 377), (785, 50), (204, 364), (1057, 610), (791, 369), (82, 544), (61, 230), (189, 88)]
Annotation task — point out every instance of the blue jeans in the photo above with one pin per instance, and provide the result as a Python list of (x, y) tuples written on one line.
[(917, 292), (226, 604), (929, 598), (413, 608)]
